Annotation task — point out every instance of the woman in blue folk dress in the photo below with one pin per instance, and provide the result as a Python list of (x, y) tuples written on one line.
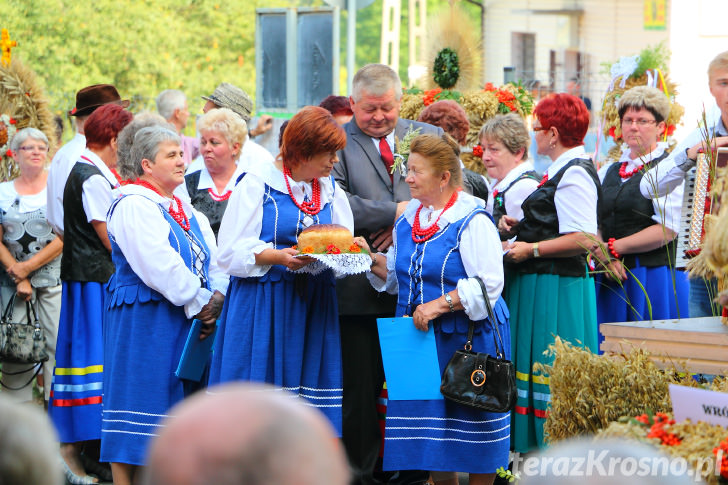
[(277, 326), (164, 254), (442, 241)]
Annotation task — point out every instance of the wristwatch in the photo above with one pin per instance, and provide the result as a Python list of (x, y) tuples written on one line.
[(536, 253), (448, 299)]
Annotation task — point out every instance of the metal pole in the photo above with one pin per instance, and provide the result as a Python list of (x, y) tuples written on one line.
[(350, 43)]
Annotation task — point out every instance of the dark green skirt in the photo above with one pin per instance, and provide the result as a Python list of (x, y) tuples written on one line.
[(543, 306)]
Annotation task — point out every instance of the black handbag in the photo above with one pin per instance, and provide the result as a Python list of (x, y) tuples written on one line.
[(22, 343), (480, 380)]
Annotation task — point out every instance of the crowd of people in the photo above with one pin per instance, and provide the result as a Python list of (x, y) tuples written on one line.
[(136, 231)]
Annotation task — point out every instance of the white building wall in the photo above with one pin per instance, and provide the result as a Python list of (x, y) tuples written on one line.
[(607, 30), (699, 33)]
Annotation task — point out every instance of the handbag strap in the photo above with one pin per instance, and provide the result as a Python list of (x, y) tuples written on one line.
[(8, 312), (30, 306), (38, 367), (491, 316)]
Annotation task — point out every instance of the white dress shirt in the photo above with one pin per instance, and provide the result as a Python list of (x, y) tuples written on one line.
[(61, 165), (97, 194), (670, 172), (516, 194), (576, 195)]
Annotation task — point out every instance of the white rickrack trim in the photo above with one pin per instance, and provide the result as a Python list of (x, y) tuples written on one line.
[(343, 264)]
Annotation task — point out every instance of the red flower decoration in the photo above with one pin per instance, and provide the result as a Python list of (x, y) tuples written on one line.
[(331, 249), (12, 121), (489, 87), (670, 130), (431, 96), (354, 248), (478, 151), (9, 153), (613, 133)]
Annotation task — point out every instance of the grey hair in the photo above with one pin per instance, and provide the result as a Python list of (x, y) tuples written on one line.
[(170, 100), (510, 130), (146, 146), (28, 449), (376, 79), (26, 133), (125, 164)]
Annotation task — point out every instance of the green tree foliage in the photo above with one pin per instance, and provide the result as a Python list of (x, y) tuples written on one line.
[(146, 46), (140, 46)]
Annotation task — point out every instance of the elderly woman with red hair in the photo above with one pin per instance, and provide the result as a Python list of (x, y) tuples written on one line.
[(339, 107), (75, 404), (548, 287), (277, 326)]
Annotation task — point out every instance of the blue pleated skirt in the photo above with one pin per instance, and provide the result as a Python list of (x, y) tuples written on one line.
[(543, 306), (441, 435), (283, 331), (144, 336), (649, 293), (75, 402)]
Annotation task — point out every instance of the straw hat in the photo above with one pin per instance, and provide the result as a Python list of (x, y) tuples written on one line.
[(232, 97)]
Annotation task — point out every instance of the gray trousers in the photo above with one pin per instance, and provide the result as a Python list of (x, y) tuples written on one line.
[(48, 305)]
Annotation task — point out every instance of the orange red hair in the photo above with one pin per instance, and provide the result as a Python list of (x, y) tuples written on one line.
[(566, 113), (310, 132)]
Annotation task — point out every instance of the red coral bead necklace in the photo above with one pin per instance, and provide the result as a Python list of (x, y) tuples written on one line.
[(625, 174), (177, 214), (219, 198), (311, 207), (420, 235)]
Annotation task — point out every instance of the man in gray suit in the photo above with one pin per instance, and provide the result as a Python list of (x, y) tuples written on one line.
[(377, 197)]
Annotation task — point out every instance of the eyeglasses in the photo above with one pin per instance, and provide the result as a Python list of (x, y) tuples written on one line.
[(539, 128), (639, 122), (40, 148)]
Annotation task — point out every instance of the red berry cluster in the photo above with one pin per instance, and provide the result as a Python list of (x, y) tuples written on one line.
[(724, 461), (657, 425)]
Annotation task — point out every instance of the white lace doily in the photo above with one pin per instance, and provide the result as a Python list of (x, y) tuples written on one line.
[(342, 264)]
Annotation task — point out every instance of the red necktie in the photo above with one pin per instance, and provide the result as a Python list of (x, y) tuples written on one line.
[(387, 156)]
